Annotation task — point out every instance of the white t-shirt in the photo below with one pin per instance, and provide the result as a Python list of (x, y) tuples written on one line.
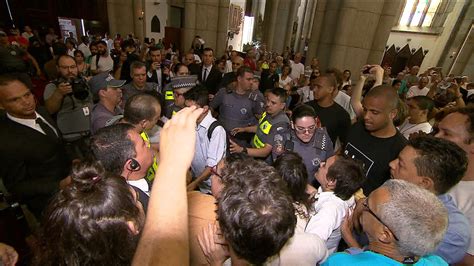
[(463, 196), (105, 64), (407, 128), (283, 82), (306, 94), (415, 91), (296, 70), (344, 100), (330, 212)]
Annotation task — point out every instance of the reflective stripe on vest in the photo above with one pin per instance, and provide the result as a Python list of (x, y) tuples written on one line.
[(150, 175), (173, 113), (169, 96), (264, 127), (257, 142)]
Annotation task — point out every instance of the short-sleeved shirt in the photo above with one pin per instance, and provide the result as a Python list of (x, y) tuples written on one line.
[(464, 200), (236, 110), (271, 130), (375, 154), (455, 243), (297, 69), (336, 120), (74, 116), (369, 258), (317, 150), (128, 90), (100, 116)]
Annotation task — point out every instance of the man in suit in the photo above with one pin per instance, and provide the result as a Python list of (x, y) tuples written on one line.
[(207, 73), (157, 71), (33, 162)]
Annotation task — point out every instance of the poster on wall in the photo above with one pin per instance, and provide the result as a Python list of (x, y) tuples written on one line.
[(67, 25)]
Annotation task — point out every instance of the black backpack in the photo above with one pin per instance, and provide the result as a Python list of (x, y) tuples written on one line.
[(209, 135)]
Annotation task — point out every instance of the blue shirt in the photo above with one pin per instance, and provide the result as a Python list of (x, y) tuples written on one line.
[(369, 258), (457, 238)]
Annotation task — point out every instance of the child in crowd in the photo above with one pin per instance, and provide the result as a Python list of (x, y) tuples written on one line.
[(340, 178)]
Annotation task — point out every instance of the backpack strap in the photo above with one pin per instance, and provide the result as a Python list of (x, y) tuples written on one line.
[(211, 129)]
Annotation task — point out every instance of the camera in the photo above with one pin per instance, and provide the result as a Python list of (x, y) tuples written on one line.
[(79, 88)]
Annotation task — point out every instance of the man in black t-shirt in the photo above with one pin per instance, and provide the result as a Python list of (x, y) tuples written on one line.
[(336, 120), (374, 140)]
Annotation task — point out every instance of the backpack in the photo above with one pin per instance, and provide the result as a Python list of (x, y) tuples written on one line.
[(211, 130)]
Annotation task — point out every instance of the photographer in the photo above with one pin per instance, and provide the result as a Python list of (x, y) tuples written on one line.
[(69, 98), (158, 72)]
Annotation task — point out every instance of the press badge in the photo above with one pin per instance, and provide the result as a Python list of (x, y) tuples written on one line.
[(85, 110)]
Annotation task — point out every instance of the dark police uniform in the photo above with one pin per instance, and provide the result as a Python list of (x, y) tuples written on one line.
[(270, 130)]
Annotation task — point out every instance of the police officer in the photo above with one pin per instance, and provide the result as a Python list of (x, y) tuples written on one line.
[(270, 130), (180, 86), (308, 139), (239, 107)]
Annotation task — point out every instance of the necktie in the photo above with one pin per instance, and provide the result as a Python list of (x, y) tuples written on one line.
[(204, 76), (47, 129)]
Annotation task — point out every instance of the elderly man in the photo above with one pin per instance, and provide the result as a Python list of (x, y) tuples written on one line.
[(109, 92), (404, 224), (437, 165)]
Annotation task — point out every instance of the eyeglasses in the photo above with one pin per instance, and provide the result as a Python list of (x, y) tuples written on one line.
[(303, 130), (68, 67), (365, 203), (214, 171)]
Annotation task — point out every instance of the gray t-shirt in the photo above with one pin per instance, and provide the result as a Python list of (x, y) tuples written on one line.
[(128, 90), (237, 110), (74, 116), (101, 115)]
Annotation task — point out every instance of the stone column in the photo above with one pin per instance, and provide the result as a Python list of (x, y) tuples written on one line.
[(293, 9), (189, 30), (138, 23), (120, 19), (316, 30), (221, 35), (280, 25), (328, 32), (270, 18), (388, 19)]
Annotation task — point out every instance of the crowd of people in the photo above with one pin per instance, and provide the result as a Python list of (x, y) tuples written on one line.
[(129, 152)]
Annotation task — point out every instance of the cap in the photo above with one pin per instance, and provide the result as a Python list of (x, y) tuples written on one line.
[(183, 82), (104, 80)]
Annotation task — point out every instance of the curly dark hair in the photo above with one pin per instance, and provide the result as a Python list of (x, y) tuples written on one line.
[(441, 160), (87, 222), (293, 171), (255, 210)]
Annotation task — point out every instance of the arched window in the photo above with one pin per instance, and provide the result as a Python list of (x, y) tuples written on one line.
[(155, 24)]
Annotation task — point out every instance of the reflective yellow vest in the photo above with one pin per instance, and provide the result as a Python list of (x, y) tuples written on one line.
[(150, 175), (263, 129)]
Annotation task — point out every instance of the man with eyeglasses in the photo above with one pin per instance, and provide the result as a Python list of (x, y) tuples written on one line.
[(404, 224), (437, 165), (70, 99)]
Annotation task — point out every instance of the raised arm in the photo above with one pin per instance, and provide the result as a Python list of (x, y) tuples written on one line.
[(164, 238)]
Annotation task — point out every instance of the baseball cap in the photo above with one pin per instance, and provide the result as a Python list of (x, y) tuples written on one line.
[(102, 81), (183, 82)]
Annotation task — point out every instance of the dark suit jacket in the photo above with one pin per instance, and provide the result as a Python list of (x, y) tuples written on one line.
[(165, 79), (213, 78), (31, 164)]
